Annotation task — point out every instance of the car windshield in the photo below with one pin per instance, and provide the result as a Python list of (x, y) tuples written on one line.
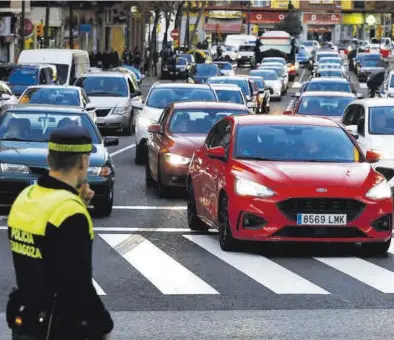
[(5, 72), (188, 57), (297, 143), (225, 66), (51, 96), (37, 126), (267, 75), (199, 120), (328, 86), (246, 48), (372, 63), (308, 43), (160, 98), (181, 61), (274, 60), (381, 120), (331, 73), (241, 83), (259, 82), (230, 48), (230, 96), (330, 61), (324, 106), (104, 86), (23, 75), (207, 70), (279, 71)]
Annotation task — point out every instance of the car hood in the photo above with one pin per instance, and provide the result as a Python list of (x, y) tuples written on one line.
[(186, 144), (108, 102), (151, 113), (284, 174), (35, 154), (382, 142)]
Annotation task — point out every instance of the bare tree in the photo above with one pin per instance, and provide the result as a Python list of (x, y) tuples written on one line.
[(202, 5), (168, 11)]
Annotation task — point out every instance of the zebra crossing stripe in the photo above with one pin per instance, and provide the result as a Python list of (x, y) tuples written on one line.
[(166, 274), (363, 271), (99, 290), (266, 272)]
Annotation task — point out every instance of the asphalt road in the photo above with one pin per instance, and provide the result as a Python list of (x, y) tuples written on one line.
[(161, 281)]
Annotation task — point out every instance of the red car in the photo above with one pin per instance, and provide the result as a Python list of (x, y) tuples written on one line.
[(181, 130), (278, 178)]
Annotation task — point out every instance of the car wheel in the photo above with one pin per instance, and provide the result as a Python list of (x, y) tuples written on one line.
[(140, 154), (376, 249), (103, 207), (192, 219), (148, 176), (226, 240), (128, 130), (162, 189)]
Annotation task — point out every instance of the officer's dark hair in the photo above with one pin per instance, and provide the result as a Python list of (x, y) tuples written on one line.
[(64, 161)]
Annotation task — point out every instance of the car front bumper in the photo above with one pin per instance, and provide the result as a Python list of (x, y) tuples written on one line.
[(112, 121), (173, 175), (273, 223)]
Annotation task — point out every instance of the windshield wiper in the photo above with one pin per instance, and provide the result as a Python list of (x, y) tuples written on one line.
[(14, 139)]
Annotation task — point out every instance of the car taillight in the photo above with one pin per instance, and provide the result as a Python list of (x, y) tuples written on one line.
[(288, 112)]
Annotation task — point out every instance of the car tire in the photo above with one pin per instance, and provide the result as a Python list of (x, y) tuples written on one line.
[(103, 207), (226, 240), (148, 176), (193, 220), (140, 154), (162, 189), (128, 130), (376, 249)]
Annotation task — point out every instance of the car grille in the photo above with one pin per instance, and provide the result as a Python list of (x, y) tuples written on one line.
[(102, 112), (291, 207), (386, 172), (39, 170), (320, 232)]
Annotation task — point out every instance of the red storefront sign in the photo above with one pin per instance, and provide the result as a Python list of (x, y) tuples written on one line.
[(322, 18), (266, 17)]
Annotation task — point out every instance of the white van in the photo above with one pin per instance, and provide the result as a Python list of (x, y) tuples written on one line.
[(70, 64), (239, 39)]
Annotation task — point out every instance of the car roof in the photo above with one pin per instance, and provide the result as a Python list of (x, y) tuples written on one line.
[(105, 74), (327, 52), (231, 77), (181, 85), (44, 107), (54, 87), (333, 57), (221, 62), (209, 105), (375, 102), (332, 80), (328, 94), (226, 87), (264, 69), (286, 120)]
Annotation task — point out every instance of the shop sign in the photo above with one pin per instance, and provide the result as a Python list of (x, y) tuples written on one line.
[(225, 14), (322, 18), (267, 17), (353, 19), (373, 19), (284, 4)]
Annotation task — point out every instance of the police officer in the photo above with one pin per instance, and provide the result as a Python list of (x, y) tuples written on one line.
[(51, 234)]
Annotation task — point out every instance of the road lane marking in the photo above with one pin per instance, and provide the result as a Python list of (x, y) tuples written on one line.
[(296, 85), (266, 272), (166, 274), (302, 75), (363, 271), (117, 152), (363, 85), (99, 290), (147, 207)]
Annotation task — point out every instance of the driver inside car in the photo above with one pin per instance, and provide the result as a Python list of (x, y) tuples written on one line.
[(14, 129)]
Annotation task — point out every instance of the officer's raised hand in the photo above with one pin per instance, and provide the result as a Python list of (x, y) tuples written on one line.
[(86, 194)]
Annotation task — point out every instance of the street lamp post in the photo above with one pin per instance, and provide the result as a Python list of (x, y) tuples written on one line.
[(249, 4)]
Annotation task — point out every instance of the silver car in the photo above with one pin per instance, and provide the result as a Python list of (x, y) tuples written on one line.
[(272, 80)]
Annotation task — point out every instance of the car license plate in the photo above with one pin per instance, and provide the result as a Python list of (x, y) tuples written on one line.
[(321, 219), (33, 181), (100, 121)]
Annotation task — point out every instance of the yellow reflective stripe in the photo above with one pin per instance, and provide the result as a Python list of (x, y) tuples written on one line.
[(356, 155), (70, 147)]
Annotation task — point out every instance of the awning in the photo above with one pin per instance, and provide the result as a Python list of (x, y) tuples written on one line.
[(223, 25), (318, 29)]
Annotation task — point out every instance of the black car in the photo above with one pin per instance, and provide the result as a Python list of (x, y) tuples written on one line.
[(24, 136), (182, 68), (201, 72)]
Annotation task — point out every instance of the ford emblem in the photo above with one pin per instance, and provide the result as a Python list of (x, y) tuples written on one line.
[(321, 190)]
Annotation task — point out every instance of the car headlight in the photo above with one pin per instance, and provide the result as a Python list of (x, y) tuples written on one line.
[(120, 110), (380, 191), (176, 159), (349, 48), (244, 187), (103, 171), (14, 168), (142, 121)]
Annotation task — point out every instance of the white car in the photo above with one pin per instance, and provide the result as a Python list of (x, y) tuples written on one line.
[(311, 45), (58, 95), (158, 98), (371, 122), (332, 60), (272, 80), (6, 95), (246, 53), (113, 95), (389, 85), (230, 93), (274, 66), (229, 53)]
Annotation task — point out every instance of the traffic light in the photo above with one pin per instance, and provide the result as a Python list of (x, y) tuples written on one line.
[(40, 30)]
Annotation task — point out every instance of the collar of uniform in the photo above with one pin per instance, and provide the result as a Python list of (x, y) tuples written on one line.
[(53, 183)]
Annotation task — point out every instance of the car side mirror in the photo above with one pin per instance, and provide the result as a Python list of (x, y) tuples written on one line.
[(353, 130), (296, 95), (90, 107), (251, 105), (155, 128), (372, 156), (135, 94), (111, 141), (359, 96), (218, 152), (5, 96), (137, 105)]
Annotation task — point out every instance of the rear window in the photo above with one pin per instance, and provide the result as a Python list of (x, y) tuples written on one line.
[(328, 86), (230, 96), (267, 75), (225, 66), (242, 83)]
